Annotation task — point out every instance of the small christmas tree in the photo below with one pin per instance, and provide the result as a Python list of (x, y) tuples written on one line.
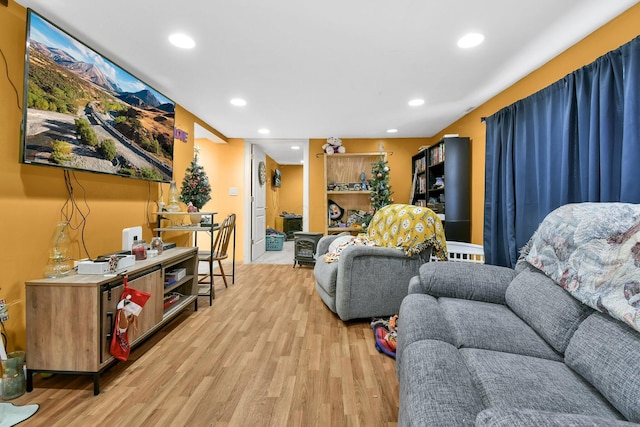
[(195, 185), (379, 186)]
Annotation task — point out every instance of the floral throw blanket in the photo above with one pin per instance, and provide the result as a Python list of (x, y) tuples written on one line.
[(593, 251)]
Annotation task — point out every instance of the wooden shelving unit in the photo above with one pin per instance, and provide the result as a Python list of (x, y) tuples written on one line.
[(449, 160), (346, 169)]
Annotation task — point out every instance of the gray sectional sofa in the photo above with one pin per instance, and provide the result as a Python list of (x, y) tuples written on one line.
[(553, 342), (367, 281), (368, 276)]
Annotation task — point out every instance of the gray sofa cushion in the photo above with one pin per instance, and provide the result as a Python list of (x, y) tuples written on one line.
[(435, 387), (607, 353), (524, 382), (479, 282), (546, 307), (427, 322), (511, 417), (489, 326)]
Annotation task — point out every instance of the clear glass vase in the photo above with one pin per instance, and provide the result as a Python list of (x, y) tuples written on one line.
[(59, 263)]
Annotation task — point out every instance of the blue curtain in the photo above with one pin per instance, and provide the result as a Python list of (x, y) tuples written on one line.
[(577, 140)]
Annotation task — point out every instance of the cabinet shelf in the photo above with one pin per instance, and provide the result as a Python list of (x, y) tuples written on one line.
[(184, 213), (176, 308), (348, 192), (184, 227), (334, 230), (178, 283), (187, 228)]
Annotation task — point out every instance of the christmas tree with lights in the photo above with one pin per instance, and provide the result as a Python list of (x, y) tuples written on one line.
[(195, 185), (379, 186)]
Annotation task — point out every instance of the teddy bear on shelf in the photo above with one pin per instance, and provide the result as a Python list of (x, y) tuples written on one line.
[(333, 145)]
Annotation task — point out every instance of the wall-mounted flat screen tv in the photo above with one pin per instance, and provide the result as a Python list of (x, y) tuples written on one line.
[(83, 112)]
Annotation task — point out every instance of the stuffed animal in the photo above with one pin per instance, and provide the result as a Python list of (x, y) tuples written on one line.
[(333, 145)]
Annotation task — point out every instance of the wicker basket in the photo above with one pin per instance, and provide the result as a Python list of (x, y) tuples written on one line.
[(274, 242)]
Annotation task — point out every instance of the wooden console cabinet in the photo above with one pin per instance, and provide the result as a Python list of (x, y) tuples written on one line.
[(70, 319)]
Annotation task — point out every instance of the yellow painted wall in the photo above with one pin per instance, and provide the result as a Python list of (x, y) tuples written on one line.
[(33, 197), (609, 37), (399, 162), (217, 158), (291, 190), (226, 162), (272, 195)]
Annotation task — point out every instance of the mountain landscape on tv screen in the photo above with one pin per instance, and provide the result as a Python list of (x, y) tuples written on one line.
[(79, 117)]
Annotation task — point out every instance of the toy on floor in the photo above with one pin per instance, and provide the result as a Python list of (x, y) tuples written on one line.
[(385, 333)]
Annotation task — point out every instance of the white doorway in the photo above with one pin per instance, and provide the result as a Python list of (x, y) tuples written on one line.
[(272, 148), (258, 201)]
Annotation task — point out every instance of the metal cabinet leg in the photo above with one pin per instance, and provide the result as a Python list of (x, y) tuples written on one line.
[(96, 384), (29, 380)]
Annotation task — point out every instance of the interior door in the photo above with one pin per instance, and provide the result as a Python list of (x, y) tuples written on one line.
[(258, 203)]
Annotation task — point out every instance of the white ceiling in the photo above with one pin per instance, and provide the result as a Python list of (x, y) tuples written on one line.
[(344, 68)]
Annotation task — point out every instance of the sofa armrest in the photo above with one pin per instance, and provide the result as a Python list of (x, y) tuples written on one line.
[(479, 282), (323, 244), (372, 281), (414, 285), (511, 417)]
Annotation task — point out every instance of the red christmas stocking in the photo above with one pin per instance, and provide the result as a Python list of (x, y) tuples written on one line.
[(120, 342)]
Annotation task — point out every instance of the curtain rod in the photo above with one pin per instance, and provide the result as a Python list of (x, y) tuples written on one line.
[(483, 119)]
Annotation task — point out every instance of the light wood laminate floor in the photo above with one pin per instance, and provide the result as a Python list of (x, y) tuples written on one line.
[(267, 353)]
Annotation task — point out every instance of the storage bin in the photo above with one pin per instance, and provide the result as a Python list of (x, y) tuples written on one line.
[(275, 242)]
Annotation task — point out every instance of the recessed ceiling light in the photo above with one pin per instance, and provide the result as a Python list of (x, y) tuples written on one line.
[(295, 147), (301, 161), (238, 102), (182, 41), (392, 130), (263, 131), (416, 102), (470, 40)]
